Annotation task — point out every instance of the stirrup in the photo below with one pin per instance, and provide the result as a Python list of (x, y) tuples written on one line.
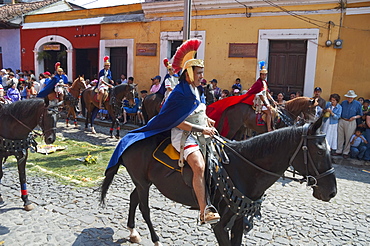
[(210, 216)]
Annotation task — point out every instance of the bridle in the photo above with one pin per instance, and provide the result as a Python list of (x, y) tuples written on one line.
[(307, 160), (309, 179)]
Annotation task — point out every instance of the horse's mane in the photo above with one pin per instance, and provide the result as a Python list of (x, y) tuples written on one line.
[(297, 104), (264, 144), (21, 109)]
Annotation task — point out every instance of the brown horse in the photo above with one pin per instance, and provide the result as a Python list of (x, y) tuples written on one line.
[(113, 104), (71, 98), (151, 105), (239, 117)]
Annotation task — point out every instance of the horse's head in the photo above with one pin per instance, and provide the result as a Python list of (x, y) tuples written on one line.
[(80, 82), (48, 121), (312, 160), (130, 96)]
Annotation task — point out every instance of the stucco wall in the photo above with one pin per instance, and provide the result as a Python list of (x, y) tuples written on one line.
[(352, 64), (10, 45)]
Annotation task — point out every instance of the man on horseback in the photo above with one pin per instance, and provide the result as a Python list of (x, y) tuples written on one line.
[(105, 81), (184, 114), (56, 84)]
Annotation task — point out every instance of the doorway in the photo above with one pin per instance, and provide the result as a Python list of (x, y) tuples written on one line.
[(87, 63), (118, 61), (287, 63)]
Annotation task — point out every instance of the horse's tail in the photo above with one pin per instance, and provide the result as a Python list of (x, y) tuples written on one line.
[(83, 104), (109, 175)]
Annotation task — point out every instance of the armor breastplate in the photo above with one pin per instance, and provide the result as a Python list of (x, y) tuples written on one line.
[(199, 116)]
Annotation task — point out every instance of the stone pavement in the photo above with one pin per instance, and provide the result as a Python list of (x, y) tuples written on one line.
[(67, 215)]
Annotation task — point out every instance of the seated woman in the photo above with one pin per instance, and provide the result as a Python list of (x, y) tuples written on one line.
[(280, 99), (130, 109)]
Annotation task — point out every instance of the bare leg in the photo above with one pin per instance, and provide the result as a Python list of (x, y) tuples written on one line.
[(268, 119), (197, 164)]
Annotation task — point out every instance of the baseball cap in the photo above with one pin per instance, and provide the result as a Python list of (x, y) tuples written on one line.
[(156, 77), (144, 91), (317, 89), (3, 70), (213, 80), (47, 73)]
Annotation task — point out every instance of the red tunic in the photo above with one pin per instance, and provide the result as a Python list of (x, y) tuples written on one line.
[(215, 110)]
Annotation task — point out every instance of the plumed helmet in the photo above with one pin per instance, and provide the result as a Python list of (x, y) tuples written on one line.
[(184, 57), (106, 60), (262, 67), (58, 68)]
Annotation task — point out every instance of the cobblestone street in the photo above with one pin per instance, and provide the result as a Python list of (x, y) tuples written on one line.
[(66, 215)]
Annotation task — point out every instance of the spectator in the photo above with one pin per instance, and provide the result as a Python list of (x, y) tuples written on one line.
[(30, 89), (22, 89), (333, 111), (292, 96), (280, 99), (358, 145), (46, 81), (1, 91), (361, 122), (12, 79), (122, 79), (236, 92), (139, 112), (298, 94), (361, 100), (13, 93), (216, 90), (351, 110), (155, 84), (4, 78), (322, 103), (237, 85), (367, 136), (225, 93), (127, 109)]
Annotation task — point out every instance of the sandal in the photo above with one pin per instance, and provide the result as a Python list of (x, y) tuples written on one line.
[(210, 216)]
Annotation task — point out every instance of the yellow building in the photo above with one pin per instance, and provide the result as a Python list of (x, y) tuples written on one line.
[(292, 38)]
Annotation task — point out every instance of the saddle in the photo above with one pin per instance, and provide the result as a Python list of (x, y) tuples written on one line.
[(168, 156)]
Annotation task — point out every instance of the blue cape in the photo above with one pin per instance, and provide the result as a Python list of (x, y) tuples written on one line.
[(179, 105), (49, 87), (101, 73)]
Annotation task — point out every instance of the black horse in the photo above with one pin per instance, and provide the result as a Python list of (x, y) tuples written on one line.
[(255, 165), (90, 105), (17, 122)]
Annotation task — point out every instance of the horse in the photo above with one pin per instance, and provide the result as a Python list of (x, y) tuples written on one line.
[(254, 165), (113, 104), (17, 122), (71, 98), (151, 105), (241, 116)]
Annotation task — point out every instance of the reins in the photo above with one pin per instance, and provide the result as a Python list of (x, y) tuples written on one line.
[(306, 156)]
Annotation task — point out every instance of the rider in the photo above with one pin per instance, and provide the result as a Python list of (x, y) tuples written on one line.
[(183, 112), (105, 80), (170, 80), (262, 97), (59, 78)]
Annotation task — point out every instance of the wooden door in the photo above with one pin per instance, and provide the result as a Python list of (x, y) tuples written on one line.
[(118, 62), (286, 67), (87, 63)]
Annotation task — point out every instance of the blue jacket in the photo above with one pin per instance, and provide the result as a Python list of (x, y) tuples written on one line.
[(334, 119), (178, 106)]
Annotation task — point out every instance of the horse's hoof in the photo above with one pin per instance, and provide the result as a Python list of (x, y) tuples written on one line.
[(28, 207), (117, 137), (134, 236), (158, 244)]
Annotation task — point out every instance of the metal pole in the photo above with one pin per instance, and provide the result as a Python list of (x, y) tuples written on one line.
[(187, 19)]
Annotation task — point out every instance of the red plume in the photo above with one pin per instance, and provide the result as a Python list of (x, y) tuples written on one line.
[(57, 65), (165, 61), (184, 49), (106, 58)]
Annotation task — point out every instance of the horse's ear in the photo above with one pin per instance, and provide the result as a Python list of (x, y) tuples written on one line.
[(315, 126), (46, 101), (314, 101)]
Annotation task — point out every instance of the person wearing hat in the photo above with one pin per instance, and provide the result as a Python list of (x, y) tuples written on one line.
[(105, 81), (156, 84), (216, 89), (321, 101), (351, 110), (4, 78), (59, 78), (170, 80), (12, 78), (177, 115)]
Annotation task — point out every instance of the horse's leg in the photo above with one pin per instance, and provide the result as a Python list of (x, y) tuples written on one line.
[(118, 127), (111, 129), (222, 235), (87, 119), (143, 194), (21, 159), (68, 114), (134, 201), (1, 175), (94, 112), (237, 232), (73, 112)]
